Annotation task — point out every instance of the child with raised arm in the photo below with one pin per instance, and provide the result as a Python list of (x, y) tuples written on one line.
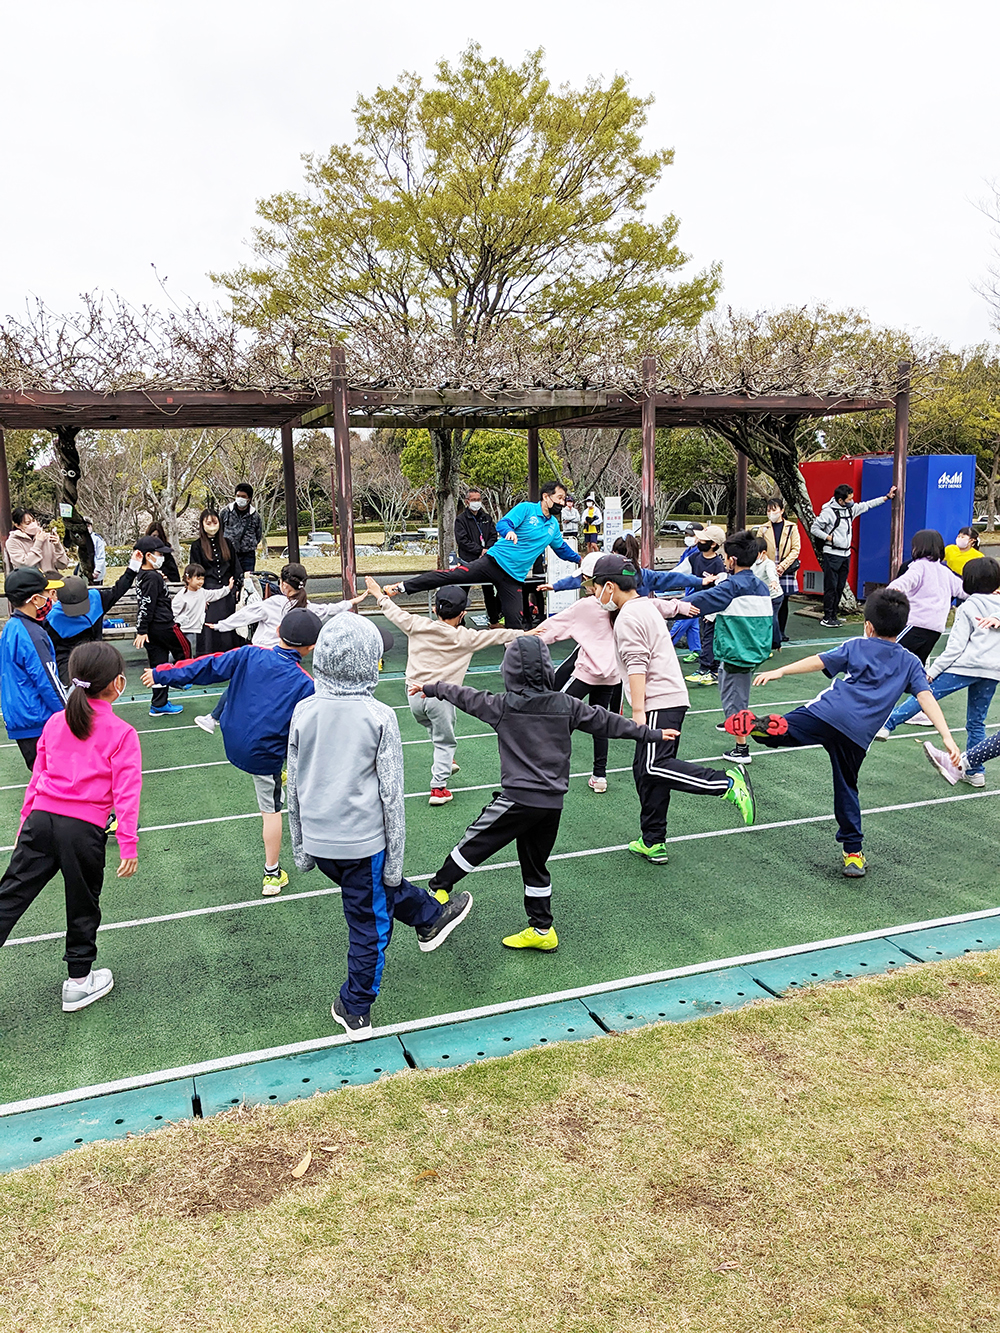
[(438, 649), (345, 813), (190, 605), (89, 763), (845, 717)]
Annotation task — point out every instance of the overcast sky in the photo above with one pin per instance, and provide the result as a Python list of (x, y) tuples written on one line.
[(824, 151)]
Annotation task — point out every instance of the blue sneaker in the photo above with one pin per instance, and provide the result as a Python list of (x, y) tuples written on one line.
[(167, 710)]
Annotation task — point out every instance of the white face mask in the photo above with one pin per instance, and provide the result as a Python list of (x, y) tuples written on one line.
[(156, 560), (475, 505), (691, 540), (609, 605), (963, 543), (241, 502)]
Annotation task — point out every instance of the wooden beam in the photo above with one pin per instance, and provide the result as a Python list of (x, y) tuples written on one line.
[(533, 463), (900, 451), (648, 536), (742, 475), (291, 498), (345, 490)]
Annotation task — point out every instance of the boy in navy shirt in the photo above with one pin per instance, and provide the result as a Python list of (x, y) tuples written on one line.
[(844, 718)]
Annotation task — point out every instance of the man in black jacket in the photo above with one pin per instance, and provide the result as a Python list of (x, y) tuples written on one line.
[(242, 528), (475, 532)]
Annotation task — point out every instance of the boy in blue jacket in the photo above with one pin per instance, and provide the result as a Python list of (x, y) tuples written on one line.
[(30, 688), (265, 684)]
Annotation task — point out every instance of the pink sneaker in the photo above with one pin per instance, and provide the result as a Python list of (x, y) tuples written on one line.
[(942, 763)]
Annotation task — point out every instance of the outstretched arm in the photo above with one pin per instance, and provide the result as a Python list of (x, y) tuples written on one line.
[(601, 722), (801, 668), (477, 703), (932, 708)]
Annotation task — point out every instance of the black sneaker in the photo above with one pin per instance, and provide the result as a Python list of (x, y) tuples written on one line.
[(720, 726), (454, 912), (831, 624), (357, 1026), (739, 754)]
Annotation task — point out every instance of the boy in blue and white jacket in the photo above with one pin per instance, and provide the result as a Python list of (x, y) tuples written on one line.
[(265, 684), (30, 688), (741, 605)]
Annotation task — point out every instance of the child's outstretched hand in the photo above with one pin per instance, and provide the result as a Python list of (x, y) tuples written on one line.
[(415, 689), (988, 622), (230, 585), (140, 641), (687, 609), (669, 734), (390, 589), (372, 586), (766, 677), (147, 678), (128, 867)]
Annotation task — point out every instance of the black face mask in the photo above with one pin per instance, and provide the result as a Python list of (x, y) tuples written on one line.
[(705, 547), (556, 510)]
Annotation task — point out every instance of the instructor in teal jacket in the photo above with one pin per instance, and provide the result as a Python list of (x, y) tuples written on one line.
[(522, 535)]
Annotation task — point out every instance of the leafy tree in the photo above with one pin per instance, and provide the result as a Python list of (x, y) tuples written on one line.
[(494, 460), (487, 207), (31, 487)]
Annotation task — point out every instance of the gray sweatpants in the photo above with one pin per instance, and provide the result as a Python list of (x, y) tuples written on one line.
[(438, 716), (734, 689)]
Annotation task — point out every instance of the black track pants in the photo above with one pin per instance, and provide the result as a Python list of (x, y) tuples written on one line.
[(29, 751), (601, 696), (162, 643), (47, 844), (484, 570), (919, 641), (658, 772), (501, 822)]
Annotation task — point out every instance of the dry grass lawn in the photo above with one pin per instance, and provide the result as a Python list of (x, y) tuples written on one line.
[(827, 1162)]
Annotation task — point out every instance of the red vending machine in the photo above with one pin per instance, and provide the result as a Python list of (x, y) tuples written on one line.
[(821, 479)]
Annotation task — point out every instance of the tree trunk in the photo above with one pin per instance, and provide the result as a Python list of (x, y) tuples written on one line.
[(75, 529), (991, 489), (448, 446)]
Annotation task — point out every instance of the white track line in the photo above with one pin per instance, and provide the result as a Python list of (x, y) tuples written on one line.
[(483, 1011), (502, 865)]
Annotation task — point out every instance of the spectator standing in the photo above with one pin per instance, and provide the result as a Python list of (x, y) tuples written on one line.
[(29, 546), (784, 547), (169, 568), (591, 523), (242, 528), (100, 553), (834, 528), (475, 533), (212, 551), (571, 519)]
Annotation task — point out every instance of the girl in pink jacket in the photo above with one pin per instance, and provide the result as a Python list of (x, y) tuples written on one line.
[(89, 763)]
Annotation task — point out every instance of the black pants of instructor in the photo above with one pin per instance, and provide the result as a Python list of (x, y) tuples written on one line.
[(835, 569), (658, 772), (534, 830), (483, 570), (47, 844)]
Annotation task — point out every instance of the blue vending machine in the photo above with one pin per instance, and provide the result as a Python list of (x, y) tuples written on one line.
[(940, 489)]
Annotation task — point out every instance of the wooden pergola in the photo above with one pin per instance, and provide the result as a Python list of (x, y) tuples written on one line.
[(346, 406)]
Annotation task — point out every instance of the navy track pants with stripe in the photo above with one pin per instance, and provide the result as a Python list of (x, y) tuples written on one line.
[(370, 906), (658, 772)]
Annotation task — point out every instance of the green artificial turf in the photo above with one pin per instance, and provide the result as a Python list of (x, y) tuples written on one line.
[(214, 985)]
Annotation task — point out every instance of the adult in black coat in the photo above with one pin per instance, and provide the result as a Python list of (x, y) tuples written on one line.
[(475, 532), (217, 558)]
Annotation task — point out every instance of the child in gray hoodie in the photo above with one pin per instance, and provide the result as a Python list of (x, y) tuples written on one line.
[(345, 812)]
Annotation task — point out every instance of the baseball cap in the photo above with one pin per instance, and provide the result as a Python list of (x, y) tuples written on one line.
[(451, 600), (713, 533), (614, 567), (74, 597), (694, 527), (300, 628), (587, 564), (149, 545), (26, 582)]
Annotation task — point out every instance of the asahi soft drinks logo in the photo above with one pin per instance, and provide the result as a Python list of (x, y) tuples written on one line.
[(950, 483)]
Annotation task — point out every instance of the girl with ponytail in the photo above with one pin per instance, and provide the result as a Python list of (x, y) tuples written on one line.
[(89, 763)]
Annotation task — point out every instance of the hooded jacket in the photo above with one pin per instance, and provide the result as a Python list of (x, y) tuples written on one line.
[(265, 685), (345, 757), (67, 632), (30, 688), (241, 528), (43, 551), (834, 524), (534, 724)]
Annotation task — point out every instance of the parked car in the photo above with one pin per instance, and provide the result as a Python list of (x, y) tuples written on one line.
[(981, 520), (307, 551), (322, 539), (671, 528)]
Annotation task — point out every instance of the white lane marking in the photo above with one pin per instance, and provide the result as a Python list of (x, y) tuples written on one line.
[(483, 1011), (501, 865)]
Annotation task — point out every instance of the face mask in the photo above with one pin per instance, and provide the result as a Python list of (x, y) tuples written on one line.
[(44, 609), (211, 532), (963, 543), (32, 529), (609, 605), (555, 510), (241, 502), (475, 505), (691, 540), (156, 561), (705, 547)]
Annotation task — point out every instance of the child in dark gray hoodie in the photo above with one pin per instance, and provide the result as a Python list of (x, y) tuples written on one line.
[(345, 812)]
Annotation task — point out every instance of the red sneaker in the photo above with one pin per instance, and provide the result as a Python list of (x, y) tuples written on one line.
[(746, 723), (440, 796)]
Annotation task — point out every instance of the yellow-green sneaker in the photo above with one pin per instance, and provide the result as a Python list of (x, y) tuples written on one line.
[(273, 884), (741, 794), (855, 866), (530, 939), (442, 895), (657, 854)]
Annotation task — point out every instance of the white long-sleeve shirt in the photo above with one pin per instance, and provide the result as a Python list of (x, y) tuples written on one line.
[(268, 614), (189, 605)]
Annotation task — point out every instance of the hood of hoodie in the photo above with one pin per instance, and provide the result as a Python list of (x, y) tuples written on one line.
[(527, 667), (346, 658)]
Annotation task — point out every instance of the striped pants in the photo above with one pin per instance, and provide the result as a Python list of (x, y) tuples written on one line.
[(658, 772)]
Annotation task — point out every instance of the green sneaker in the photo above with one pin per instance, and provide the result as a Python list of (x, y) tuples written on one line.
[(690, 657), (273, 884), (741, 794), (657, 854)]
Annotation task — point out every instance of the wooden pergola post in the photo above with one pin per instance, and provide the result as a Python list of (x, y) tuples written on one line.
[(647, 546), (345, 490), (533, 463), (901, 445), (5, 519), (291, 498), (742, 475)]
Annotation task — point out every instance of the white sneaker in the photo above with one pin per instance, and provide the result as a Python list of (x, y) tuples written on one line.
[(207, 723), (454, 767), (974, 779), (883, 734), (942, 763), (920, 720), (598, 784), (78, 994)]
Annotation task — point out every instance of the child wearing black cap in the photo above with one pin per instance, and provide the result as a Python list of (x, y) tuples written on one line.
[(154, 623), (438, 649), (30, 688), (265, 684), (78, 614)]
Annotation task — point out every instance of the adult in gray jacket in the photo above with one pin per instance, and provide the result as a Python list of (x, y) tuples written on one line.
[(242, 528), (834, 527)]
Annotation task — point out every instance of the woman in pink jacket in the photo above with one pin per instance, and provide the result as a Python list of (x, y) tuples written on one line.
[(89, 763)]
